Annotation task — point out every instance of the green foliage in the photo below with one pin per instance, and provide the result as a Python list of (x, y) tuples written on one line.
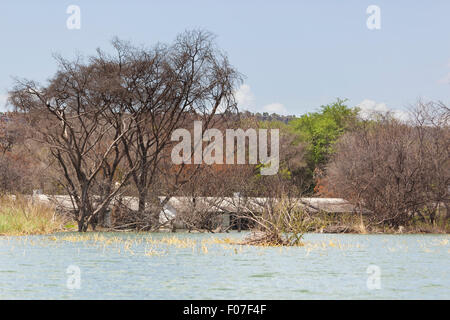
[(320, 130), (287, 137), (315, 134)]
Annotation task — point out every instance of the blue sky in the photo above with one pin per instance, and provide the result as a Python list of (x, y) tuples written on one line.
[(296, 55)]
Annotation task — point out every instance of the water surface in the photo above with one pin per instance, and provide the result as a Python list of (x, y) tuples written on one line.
[(198, 266)]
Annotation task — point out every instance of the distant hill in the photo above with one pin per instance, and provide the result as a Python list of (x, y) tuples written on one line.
[(265, 116)]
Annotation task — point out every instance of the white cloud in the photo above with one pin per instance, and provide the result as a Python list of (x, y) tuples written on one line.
[(369, 108), (245, 97), (445, 79), (3, 98), (246, 101), (275, 108)]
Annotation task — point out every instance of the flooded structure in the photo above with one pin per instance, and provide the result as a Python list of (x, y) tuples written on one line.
[(224, 213)]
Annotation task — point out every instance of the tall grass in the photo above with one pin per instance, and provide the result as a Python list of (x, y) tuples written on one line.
[(21, 216)]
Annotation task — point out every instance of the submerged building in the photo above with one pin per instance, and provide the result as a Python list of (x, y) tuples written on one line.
[(222, 213)]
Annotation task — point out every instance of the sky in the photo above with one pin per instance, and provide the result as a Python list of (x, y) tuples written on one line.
[(295, 55)]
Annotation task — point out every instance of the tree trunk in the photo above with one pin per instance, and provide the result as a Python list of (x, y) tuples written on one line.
[(82, 224), (447, 212), (142, 200), (83, 219)]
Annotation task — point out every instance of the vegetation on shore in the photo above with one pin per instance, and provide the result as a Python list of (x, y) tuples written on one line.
[(287, 225), (20, 216), (106, 128), (360, 224)]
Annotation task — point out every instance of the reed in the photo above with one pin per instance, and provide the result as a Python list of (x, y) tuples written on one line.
[(20, 216)]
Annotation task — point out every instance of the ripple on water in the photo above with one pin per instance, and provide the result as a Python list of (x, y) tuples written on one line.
[(215, 270), (264, 275)]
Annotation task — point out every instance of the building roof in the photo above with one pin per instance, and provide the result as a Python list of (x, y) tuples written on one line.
[(221, 204)]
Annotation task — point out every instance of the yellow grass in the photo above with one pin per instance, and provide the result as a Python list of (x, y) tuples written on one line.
[(19, 216)]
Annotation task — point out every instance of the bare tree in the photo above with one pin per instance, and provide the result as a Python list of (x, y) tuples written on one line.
[(72, 116), (111, 119), (170, 87), (395, 169), (19, 169), (431, 121)]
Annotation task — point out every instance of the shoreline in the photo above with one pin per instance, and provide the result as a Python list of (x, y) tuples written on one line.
[(185, 231)]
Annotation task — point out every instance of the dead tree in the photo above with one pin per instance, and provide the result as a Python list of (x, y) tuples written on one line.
[(79, 117), (168, 87), (395, 169)]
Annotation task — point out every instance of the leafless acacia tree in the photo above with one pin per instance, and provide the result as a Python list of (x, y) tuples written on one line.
[(110, 120), (394, 169), (79, 118), (432, 125), (168, 88)]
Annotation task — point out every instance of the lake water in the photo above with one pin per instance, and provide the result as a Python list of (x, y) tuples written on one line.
[(198, 266)]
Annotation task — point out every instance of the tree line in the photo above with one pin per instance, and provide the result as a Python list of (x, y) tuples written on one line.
[(101, 128)]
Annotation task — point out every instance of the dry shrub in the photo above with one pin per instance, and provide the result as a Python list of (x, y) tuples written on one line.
[(21, 216), (282, 222), (396, 170)]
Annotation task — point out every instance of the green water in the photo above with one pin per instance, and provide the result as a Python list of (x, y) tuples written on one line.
[(195, 266)]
